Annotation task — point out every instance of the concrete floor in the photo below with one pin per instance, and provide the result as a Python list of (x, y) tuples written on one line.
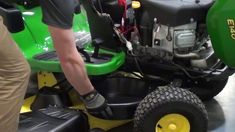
[(221, 111)]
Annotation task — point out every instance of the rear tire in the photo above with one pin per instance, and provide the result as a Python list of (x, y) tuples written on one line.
[(166, 102)]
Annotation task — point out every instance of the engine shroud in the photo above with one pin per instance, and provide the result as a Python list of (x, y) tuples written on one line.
[(177, 12)]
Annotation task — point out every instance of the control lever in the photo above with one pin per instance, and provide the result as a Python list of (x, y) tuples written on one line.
[(96, 43), (86, 55)]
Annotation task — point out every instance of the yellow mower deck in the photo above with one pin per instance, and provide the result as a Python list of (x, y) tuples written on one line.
[(48, 79)]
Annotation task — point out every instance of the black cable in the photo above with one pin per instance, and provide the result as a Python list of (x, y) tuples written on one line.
[(100, 6), (179, 66), (137, 64), (195, 77), (143, 76)]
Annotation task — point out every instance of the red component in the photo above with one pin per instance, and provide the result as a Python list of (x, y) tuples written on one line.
[(122, 2)]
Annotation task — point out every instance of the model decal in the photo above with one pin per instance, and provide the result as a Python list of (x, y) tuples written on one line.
[(231, 25)]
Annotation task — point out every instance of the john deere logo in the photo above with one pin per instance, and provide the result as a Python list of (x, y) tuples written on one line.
[(231, 25)]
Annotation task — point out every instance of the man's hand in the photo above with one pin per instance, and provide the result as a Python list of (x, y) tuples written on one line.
[(96, 105)]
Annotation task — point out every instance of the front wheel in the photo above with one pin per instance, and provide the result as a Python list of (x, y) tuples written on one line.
[(171, 109)]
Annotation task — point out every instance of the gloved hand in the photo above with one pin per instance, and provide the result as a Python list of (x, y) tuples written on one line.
[(96, 105)]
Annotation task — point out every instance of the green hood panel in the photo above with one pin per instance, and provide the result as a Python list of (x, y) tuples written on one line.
[(221, 27)]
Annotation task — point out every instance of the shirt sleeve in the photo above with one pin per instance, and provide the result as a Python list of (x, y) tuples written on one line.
[(58, 13)]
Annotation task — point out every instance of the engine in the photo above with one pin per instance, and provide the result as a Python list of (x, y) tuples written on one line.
[(167, 29), (174, 29), (182, 41), (174, 40)]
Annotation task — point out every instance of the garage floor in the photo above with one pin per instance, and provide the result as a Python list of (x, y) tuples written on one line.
[(221, 111)]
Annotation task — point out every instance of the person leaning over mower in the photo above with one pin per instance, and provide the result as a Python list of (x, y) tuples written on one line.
[(14, 76), (58, 15)]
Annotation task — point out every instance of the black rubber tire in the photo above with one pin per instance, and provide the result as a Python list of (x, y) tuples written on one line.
[(170, 100), (208, 90)]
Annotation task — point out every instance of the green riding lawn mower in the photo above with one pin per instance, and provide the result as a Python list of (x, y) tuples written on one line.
[(153, 60)]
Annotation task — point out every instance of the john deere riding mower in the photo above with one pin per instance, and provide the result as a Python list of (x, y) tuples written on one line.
[(151, 59)]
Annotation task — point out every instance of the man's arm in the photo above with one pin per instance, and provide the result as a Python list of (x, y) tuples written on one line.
[(58, 14), (70, 60)]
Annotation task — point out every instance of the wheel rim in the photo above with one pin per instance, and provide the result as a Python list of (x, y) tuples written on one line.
[(173, 123)]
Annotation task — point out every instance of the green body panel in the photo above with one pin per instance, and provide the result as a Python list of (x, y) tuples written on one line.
[(221, 27), (35, 39)]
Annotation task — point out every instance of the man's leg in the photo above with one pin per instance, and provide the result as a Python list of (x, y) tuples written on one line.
[(14, 75)]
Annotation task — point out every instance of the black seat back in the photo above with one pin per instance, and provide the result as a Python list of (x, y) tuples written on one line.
[(12, 17), (101, 28)]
